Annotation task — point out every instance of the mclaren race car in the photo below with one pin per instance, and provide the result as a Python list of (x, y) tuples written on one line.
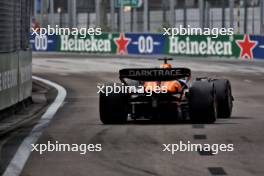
[(165, 92)]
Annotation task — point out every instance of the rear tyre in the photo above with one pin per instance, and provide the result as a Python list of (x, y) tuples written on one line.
[(203, 107), (224, 98), (113, 106)]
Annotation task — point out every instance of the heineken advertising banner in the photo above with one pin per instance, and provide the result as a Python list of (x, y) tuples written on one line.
[(239, 46)]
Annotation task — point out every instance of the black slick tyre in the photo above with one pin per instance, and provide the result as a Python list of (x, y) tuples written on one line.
[(224, 98), (113, 106), (203, 108)]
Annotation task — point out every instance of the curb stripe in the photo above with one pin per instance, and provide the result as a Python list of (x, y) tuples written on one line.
[(20, 158)]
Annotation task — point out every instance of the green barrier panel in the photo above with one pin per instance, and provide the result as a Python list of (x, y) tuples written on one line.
[(8, 79), (236, 46), (222, 46), (25, 74), (91, 44), (199, 46), (15, 77)]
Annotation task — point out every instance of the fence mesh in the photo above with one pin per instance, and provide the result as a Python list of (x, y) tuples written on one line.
[(14, 22)]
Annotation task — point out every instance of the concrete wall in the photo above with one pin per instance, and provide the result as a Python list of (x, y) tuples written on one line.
[(15, 77)]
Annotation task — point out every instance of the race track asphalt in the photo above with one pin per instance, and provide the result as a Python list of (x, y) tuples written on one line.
[(136, 148)]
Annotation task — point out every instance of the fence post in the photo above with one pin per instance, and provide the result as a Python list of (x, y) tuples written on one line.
[(122, 18), (262, 17), (201, 12), (112, 14), (245, 16), (172, 13), (97, 12), (231, 13), (145, 21)]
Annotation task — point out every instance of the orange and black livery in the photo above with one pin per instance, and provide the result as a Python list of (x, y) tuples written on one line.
[(201, 100)]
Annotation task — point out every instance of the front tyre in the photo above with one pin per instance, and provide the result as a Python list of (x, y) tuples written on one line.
[(113, 106), (203, 108)]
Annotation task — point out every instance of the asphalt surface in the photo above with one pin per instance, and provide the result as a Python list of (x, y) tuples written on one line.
[(136, 148), (14, 127)]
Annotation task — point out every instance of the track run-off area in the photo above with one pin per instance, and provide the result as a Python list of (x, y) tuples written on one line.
[(136, 148)]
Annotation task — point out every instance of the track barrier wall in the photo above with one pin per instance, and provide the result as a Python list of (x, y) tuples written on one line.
[(236, 46), (15, 52), (15, 77)]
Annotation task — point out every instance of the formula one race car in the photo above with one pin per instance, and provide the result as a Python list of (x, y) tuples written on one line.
[(165, 92)]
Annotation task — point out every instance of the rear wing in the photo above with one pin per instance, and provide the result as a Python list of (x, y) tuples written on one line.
[(154, 74)]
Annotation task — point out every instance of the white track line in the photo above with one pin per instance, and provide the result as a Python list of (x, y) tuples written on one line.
[(20, 158)]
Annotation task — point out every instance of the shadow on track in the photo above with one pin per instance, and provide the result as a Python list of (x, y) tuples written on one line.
[(177, 122)]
